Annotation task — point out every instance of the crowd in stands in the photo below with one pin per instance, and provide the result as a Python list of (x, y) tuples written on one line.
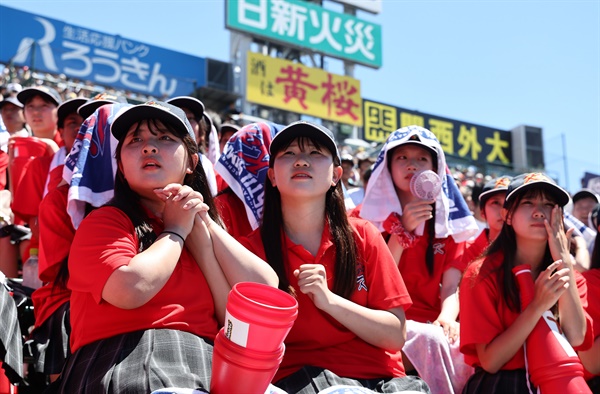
[(126, 220)]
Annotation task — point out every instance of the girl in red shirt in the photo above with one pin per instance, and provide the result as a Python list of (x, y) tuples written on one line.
[(426, 238), (493, 326), (151, 270), (351, 297)]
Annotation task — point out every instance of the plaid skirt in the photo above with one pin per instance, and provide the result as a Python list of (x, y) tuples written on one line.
[(139, 362), (311, 380), (49, 343), (501, 382)]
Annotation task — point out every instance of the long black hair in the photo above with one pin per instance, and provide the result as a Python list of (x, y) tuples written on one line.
[(129, 202), (506, 243), (272, 233)]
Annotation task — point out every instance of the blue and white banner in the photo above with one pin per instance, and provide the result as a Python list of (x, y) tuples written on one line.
[(57, 47)]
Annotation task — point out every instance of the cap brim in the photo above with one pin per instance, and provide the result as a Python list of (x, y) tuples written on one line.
[(69, 106), (11, 100), (561, 196), (303, 129), (87, 109), (585, 194), (195, 106), (132, 115), (26, 94)]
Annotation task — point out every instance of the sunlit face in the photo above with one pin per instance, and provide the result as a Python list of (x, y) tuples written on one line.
[(303, 170), (492, 211), (583, 207), (12, 116), (528, 217), (70, 128), (407, 160), (41, 116), (152, 158)]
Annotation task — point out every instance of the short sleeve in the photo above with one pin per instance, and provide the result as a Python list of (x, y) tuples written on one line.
[(104, 241)]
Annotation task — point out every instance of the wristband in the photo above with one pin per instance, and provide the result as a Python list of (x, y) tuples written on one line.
[(174, 233), (393, 225)]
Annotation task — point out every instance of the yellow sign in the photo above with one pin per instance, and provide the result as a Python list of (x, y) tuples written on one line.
[(296, 88), (380, 121)]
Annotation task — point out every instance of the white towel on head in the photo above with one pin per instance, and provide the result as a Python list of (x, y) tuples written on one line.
[(452, 216)]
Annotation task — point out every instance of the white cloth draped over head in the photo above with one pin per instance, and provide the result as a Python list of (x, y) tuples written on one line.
[(91, 166), (452, 216)]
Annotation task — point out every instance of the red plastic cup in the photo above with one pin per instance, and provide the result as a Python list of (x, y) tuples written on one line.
[(23, 150), (258, 316), (239, 369)]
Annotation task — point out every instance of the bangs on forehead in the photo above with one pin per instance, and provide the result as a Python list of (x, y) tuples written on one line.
[(302, 141), (157, 127), (538, 192)]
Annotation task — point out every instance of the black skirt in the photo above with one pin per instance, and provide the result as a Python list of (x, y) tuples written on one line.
[(49, 343), (311, 380), (139, 362), (501, 382)]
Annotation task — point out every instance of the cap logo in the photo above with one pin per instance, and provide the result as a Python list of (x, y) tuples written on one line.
[(501, 182), (157, 105), (102, 96), (535, 177)]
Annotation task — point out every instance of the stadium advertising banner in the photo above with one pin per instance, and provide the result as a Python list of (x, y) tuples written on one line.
[(472, 142), (307, 26), (56, 47), (296, 88)]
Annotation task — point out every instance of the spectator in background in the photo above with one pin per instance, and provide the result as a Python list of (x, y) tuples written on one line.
[(583, 202), (491, 201), (211, 136), (41, 106), (194, 112), (225, 132), (45, 173), (358, 193), (475, 205), (348, 175)]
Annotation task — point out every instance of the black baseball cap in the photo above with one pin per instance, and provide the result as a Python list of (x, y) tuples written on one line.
[(585, 193), (497, 185), (191, 103), (539, 180), (165, 112), (69, 107), (44, 91), (12, 100), (304, 129)]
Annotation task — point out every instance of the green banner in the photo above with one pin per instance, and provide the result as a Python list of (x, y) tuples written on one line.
[(308, 26)]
